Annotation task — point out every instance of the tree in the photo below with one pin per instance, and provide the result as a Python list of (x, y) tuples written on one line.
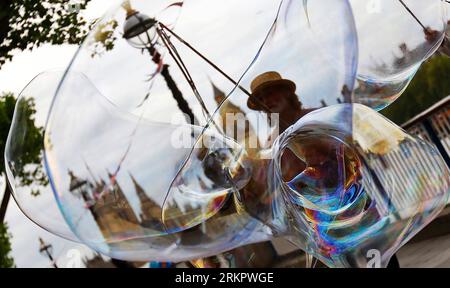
[(5, 248), (28, 142), (27, 24), (428, 87)]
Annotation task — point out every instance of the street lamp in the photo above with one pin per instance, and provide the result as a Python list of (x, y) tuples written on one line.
[(47, 250), (142, 32)]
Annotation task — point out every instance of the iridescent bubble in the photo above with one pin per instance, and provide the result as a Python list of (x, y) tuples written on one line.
[(120, 128), (367, 186), (395, 38), (111, 190), (139, 170), (298, 68), (24, 154)]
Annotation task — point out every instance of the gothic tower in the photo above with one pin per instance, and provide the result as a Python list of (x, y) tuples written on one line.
[(235, 123), (151, 212), (108, 205)]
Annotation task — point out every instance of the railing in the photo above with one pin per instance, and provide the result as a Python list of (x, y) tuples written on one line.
[(433, 125)]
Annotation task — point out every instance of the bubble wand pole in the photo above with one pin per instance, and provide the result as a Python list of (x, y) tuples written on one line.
[(412, 14), (265, 108)]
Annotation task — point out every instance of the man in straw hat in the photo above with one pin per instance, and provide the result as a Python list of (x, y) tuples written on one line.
[(273, 94), (270, 93)]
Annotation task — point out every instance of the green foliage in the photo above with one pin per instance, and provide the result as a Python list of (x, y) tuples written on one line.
[(26, 24), (27, 141), (428, 87), (6, 261)]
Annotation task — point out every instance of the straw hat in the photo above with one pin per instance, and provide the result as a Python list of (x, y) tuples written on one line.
[(264, 81)]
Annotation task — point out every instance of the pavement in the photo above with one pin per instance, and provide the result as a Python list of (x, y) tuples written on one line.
[(431, 253), (431, 247)]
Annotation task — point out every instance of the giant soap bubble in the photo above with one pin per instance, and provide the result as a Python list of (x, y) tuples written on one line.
[(24, 153), (311, 68), (367, 187), (133, 110), (395, 37)]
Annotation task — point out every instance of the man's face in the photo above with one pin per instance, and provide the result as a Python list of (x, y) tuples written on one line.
[(275, 98)]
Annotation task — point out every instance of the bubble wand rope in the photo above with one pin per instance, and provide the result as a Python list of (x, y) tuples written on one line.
[(412, 14), (236, 83)]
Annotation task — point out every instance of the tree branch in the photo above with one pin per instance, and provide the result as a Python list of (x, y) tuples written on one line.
[(5, 203)]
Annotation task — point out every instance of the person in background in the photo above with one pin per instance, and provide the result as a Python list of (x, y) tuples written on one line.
[(270, 93)]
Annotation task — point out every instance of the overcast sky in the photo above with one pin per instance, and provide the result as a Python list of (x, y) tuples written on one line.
[(14, 76)]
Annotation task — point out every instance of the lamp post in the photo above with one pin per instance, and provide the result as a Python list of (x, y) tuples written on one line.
[(141, 32)]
